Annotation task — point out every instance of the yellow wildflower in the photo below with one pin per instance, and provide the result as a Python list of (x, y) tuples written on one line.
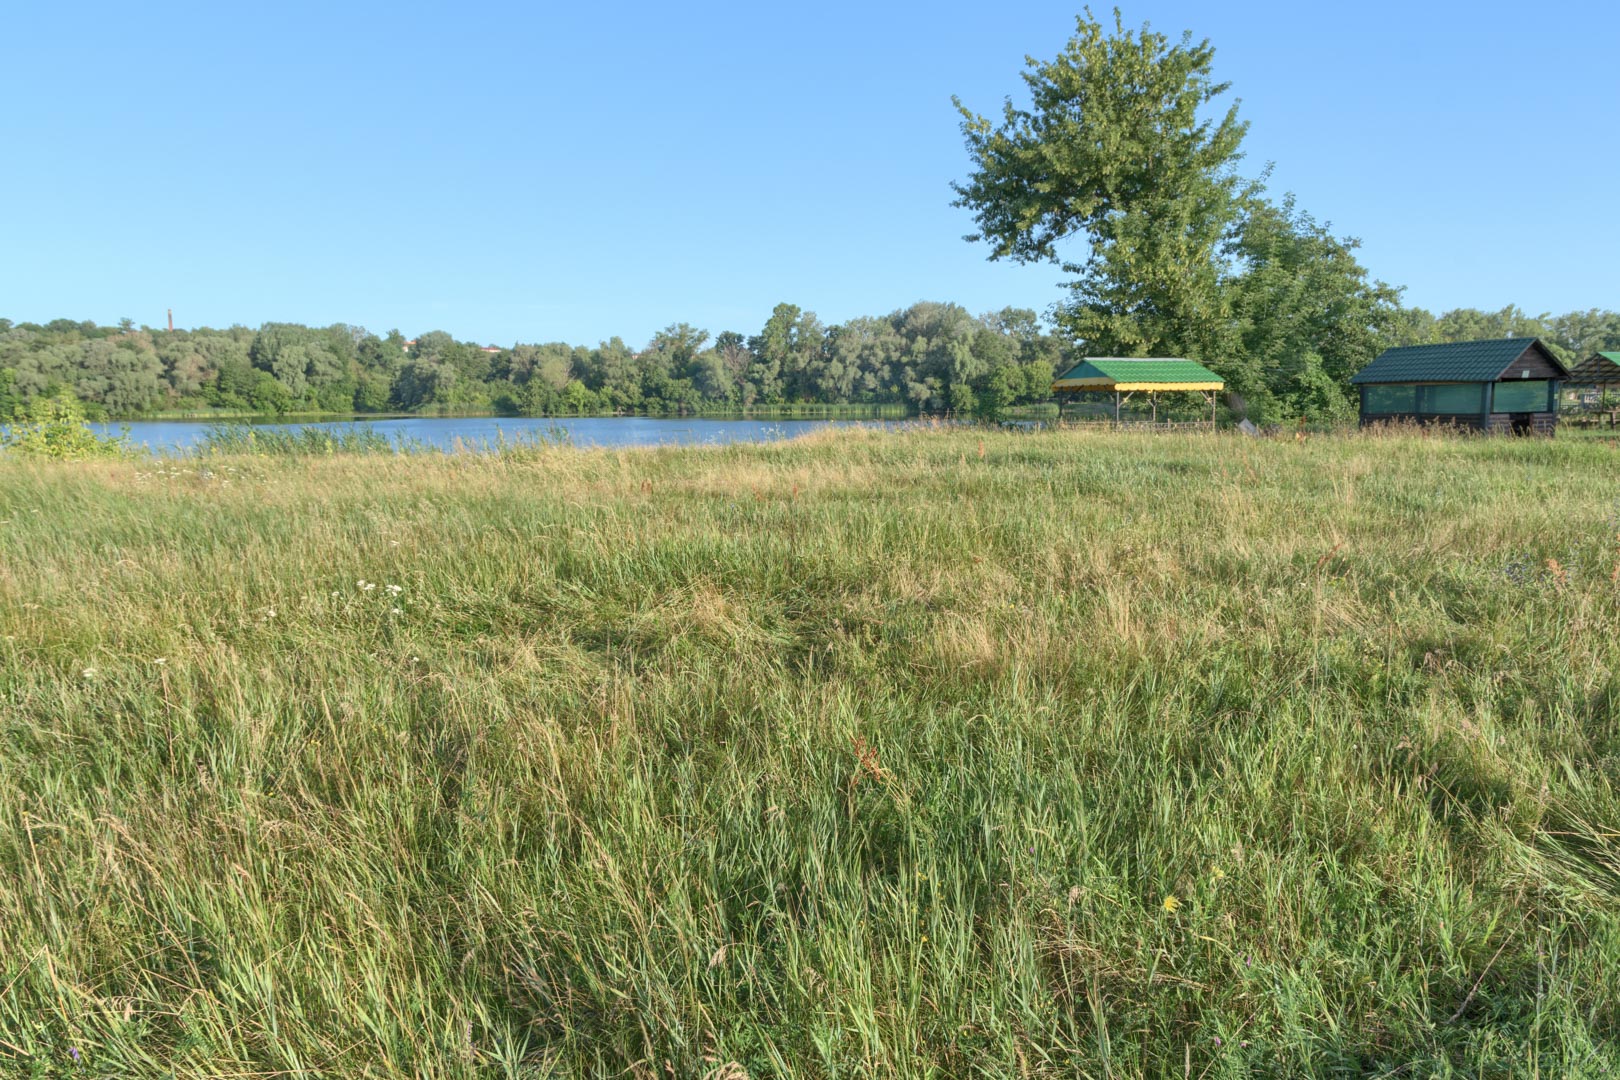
[(1170, 905)]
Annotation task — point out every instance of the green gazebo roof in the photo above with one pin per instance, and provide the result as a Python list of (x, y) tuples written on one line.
[(1127, 373)]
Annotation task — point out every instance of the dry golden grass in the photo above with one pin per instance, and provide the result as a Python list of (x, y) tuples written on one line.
[(939, 753)]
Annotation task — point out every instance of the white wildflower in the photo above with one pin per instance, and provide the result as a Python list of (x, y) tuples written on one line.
[(160, 661), (89, 673), (395, 589), (395, 611)]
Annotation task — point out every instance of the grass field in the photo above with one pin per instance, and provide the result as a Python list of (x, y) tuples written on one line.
[(921, 754)]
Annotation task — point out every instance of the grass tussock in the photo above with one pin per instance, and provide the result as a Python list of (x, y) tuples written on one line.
[(868, 754)]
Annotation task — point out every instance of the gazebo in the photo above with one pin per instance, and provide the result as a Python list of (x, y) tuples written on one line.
[(1601, 370), (1124, 376)]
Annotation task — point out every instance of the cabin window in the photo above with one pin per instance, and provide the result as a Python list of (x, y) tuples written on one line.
[(1456, 399), (1391, 399), (1521, 395)]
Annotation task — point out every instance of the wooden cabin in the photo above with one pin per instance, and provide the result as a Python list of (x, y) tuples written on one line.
[(1502, 386)]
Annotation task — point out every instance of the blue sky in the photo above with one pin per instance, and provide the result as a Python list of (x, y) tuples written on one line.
[(539, 172)]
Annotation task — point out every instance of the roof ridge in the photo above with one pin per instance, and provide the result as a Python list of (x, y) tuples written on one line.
[(1525, 341)]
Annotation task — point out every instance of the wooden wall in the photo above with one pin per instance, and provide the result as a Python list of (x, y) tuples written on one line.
[(1531, 364), (1541, 423)]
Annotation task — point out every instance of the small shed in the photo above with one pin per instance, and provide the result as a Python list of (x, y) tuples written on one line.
[(1124, 376), (1501, 385)]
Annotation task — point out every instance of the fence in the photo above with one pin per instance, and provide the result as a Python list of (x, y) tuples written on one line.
[(1604, 419), (1134, 425)]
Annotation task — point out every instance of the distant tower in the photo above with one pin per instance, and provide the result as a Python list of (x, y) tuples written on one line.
[(171, 320)]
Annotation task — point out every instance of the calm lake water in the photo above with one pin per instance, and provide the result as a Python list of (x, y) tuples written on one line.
[(171, 436)]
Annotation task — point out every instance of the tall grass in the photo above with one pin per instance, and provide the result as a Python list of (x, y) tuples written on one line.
[(933, 753), (238, 439)]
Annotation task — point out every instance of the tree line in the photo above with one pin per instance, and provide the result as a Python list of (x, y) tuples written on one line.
[(927, 358)]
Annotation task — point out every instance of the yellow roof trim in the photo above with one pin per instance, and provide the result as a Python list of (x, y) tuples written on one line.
[(1169, 386), (1109, 384)]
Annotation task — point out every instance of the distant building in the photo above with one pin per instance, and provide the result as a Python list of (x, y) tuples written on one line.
[(1503, 385)]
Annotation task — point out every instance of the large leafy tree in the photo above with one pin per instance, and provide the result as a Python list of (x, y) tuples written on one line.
[(1118, 149), (1126, 152), (1306, 314), (784, 353), (732, 348)]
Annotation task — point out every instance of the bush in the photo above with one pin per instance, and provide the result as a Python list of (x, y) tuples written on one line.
[(55, 427), (268, 395)]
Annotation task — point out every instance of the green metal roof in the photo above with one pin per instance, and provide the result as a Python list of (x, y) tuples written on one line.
[(1457, 361), (1129, 370), (1597, 369)]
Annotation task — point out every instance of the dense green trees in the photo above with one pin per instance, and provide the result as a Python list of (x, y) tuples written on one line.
[(928, 357), (1302, 314)]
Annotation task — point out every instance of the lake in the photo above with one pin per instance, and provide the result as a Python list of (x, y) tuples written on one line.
[(443, 432)]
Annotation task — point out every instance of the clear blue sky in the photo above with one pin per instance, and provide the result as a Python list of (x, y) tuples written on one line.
[(537, 172)]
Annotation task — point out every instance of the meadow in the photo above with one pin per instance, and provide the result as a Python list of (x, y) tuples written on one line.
[(930, 754)]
